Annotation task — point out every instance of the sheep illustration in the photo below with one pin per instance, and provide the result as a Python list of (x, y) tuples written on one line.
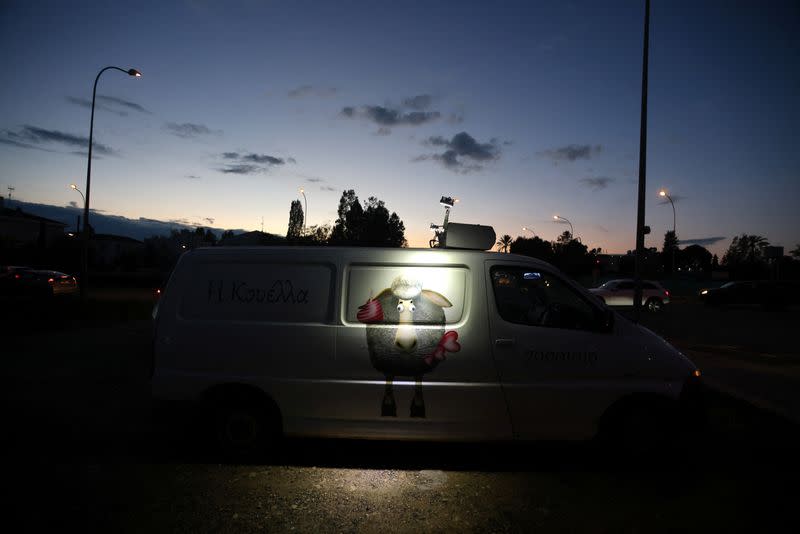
[(406, 350)]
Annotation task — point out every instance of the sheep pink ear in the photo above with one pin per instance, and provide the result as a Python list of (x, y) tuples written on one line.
[(436, 298)]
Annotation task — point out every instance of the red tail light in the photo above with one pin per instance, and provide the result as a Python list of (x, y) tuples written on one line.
[(17, 276), (50, 280), (666, 293)]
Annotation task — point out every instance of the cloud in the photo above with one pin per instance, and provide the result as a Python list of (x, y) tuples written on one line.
[(114, 101), (192, 177), (387, 117), (327, 188), (310, 90), (418, 102), (701, 241), (241, 168), (249, 162), (189, 130), (209, 220), (383, 130), (113, 104), (455, 118), (32, 137), (597, 183), (462, 153), (571, 152)]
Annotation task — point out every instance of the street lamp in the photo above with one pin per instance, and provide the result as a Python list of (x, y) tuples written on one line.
[(305, 214), (85, 256), (75, 188), (526, 229), (663, 193), (560, 218)]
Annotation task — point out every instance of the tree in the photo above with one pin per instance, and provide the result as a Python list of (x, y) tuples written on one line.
[(565, 237), (669, 251), (370, 225), (796, 252), (534, 247), (504, 243), (745, 256), (296, 218), (696, 259)]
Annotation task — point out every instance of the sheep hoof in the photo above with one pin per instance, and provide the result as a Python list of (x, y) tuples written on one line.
[(388, 408), (417, 410)]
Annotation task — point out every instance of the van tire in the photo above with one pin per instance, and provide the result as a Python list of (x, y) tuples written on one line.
[(245, 423)]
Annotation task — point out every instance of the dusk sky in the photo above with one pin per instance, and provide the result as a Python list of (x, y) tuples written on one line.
[(521, 110)]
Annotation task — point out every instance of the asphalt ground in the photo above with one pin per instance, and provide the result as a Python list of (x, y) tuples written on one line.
[(85, 453)]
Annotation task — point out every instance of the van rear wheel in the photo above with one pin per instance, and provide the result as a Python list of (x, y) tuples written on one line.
[(244, 428)]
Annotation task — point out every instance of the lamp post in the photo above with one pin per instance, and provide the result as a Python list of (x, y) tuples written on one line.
[(663, 193), (75, 188), (560, 218), (85, 255), (305, 213), (526, 229)]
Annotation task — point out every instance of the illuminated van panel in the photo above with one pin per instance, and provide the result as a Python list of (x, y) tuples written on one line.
[(270, 292), (366, 282)]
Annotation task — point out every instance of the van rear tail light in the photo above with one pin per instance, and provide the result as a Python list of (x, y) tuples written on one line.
[(666, 293), (50, 280), (17, 276)]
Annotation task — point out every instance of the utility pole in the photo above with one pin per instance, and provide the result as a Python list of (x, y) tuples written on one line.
[(639, 267), (10, 190)]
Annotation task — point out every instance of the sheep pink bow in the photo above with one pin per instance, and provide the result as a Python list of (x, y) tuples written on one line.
[(447, 344)]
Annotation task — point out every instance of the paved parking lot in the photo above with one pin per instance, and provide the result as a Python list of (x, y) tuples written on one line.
[(86, 454)]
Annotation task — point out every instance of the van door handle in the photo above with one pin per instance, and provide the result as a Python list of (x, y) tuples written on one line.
[(504, 342)]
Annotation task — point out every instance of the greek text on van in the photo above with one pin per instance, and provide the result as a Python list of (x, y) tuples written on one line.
[(557, 356), (280, 292)]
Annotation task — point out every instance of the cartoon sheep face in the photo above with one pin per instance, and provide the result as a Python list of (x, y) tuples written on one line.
[(409, 349)]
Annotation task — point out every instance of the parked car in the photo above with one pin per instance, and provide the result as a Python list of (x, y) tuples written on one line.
[(439, 344), (620, 293), (768, 294), (60, 283), (22, 282)]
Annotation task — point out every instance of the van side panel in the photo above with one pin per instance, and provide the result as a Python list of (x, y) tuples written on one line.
[(261, 319), (443, 383)]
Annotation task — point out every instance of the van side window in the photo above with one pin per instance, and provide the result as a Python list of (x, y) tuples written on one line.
[(379, 294), (534, 297)]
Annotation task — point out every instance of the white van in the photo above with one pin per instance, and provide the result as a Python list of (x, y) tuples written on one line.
[(434, 344)]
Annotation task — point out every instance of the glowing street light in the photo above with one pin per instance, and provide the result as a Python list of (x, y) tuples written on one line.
[(305, 215), (75, 188), (84, 260), (560, 218), (663, 193), (526, 229)]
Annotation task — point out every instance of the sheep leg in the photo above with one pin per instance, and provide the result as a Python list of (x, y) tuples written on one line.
[(418, 403), (388, 406)]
